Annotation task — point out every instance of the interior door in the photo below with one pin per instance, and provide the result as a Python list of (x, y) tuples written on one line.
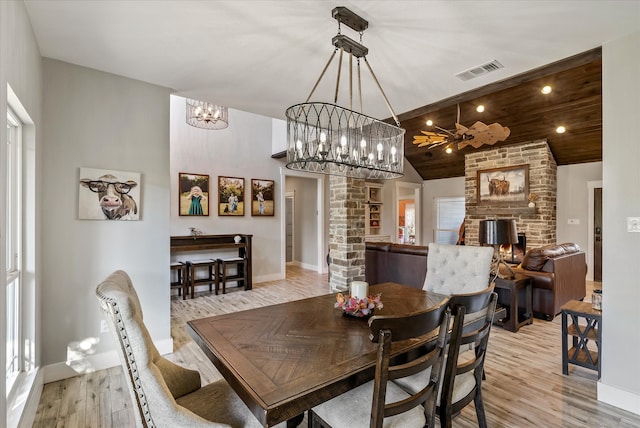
[(289, 228), (597, 234)]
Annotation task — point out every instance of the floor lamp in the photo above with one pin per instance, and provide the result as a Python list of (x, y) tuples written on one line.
[(497, 233)]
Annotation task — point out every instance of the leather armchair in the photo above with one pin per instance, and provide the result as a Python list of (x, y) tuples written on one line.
[(559, 274)]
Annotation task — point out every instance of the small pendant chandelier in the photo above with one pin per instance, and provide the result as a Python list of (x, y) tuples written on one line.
[(202, 114), (329, 139)]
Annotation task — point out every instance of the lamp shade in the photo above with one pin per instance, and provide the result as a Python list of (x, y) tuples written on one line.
[(496, 232)]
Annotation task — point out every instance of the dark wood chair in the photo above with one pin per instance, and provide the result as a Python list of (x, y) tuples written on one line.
[(240, 264), (210, 277), (181, 278), (462, 381), (366, 406)]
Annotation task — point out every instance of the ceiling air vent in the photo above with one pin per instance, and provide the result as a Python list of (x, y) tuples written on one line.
[(480, 70)]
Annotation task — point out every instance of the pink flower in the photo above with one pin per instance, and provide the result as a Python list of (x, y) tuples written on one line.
[(360, 308)]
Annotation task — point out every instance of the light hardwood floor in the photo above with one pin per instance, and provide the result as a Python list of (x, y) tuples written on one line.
[(525, 386)]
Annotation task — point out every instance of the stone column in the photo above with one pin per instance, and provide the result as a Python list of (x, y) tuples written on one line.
[(346, 231)]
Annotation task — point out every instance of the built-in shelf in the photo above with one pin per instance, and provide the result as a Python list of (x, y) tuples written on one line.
[(525, 211), (373, 215)]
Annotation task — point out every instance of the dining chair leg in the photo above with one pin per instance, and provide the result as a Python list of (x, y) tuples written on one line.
[(445, 415), (477, 401)]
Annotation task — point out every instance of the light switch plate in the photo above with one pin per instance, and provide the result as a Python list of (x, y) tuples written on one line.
[(573, 221), (633, 224)]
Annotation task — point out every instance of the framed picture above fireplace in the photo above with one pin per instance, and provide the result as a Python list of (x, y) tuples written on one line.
[(508, 185)]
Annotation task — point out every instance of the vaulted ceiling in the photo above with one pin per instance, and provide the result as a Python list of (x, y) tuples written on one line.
[(264, 56), (575, 103)]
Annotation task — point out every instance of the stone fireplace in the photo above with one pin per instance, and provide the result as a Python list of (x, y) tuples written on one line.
[(539, 222)]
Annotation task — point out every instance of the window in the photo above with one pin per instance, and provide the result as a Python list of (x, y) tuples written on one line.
[(449, 216), (13, 233)]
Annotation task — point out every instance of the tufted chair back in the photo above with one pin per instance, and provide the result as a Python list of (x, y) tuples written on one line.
[(154, 382), (457, 269)]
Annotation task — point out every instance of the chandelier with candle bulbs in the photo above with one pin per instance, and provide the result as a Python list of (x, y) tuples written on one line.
[(326, 138), (202, 114)]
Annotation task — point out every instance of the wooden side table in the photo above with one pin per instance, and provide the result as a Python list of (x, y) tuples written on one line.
[(513, 286), (580, 354)]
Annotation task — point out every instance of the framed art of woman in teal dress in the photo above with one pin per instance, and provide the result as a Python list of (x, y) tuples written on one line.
[(194, 194)]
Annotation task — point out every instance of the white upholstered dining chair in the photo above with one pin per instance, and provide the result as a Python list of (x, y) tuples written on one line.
[(163, 393), (457, 269)]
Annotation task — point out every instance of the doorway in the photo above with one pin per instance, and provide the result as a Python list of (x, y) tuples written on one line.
[(289, 226), (597, 234), (408, 213), (308, 245), (594, 231)]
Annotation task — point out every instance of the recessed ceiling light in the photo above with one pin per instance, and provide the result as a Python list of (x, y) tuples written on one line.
[(429, 122), (561, 129), (480, 108), (546, 90), (449, 150)]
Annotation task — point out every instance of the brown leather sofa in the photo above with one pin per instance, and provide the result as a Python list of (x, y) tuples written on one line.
[(558, 271), (388, 262), (559, 275)]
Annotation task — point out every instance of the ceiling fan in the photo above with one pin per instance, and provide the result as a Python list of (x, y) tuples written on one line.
[(476, 135)]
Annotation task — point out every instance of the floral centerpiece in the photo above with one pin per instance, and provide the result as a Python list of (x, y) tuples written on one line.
[(359, 308)]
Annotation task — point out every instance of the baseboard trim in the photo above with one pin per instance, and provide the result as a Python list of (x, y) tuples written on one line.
[(305, 265), (271, 277), (59, 371), (620, 398)]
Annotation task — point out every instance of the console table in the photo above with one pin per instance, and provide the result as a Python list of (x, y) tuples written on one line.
[(213, 243), (580, 354), (513, 287)]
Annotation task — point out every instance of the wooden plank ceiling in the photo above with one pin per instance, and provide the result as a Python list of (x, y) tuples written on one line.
[(575, 102)]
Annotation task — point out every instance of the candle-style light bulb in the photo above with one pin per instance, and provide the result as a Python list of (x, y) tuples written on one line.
[(380, 154), (342, 150), (322, 145), (299, 148), (363, 152)]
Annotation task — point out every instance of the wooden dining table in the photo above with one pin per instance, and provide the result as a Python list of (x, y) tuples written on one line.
[(287, 358)]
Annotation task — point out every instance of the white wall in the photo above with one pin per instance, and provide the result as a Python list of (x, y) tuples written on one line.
[(21, 68), (575, 202), (100, 120), (242, 150), (432, 189), (620, 381)]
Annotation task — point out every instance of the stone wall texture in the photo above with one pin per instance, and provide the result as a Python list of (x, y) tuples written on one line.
[(346, 231), (539, 223)]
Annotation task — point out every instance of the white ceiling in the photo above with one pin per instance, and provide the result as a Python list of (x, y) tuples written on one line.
[(264, 56)]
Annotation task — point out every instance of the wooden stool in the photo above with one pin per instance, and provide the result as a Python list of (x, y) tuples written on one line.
[(182, 280), (212, 274), (241, 271)]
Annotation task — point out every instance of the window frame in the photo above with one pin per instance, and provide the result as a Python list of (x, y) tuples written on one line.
[(13, 237), (439, 229)]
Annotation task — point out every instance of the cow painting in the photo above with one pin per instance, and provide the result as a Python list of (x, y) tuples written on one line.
[(504, 185), (112, 196), (498, 187)]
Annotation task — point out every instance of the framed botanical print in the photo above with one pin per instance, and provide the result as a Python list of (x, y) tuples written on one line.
[(230, 196), (194, 194), (262, 197)]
